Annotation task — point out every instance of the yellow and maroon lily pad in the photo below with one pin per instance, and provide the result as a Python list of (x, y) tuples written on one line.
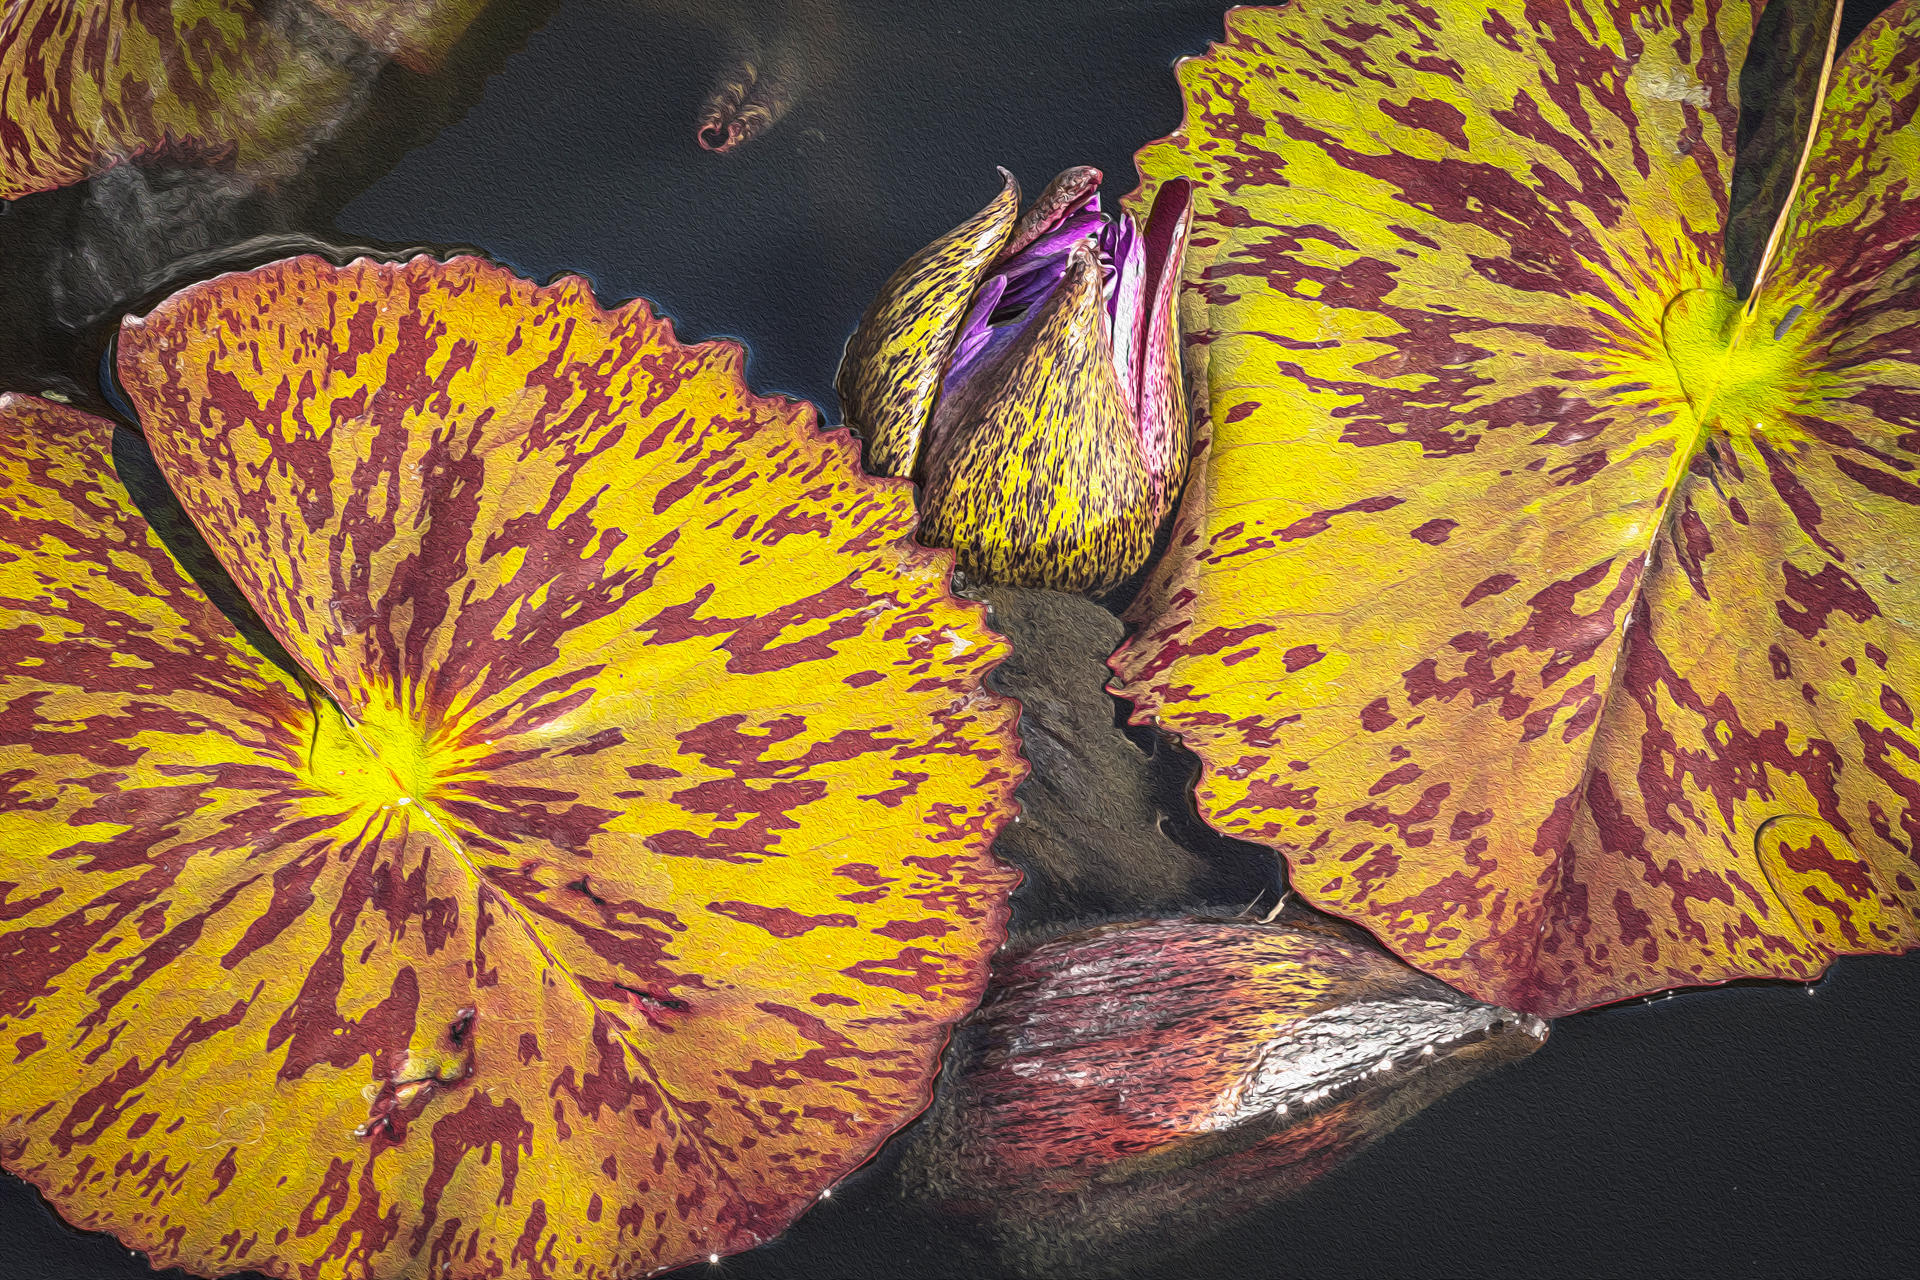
[(591, 881), (1554, 609)]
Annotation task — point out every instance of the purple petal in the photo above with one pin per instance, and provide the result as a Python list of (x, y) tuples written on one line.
[(1032, 282), (1066, 216), (1120, 243), (1066, 233), (975, 331)]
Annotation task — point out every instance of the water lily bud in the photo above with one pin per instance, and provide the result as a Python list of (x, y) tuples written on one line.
[(1034, 391), (1129, 1086), (1033, 474)]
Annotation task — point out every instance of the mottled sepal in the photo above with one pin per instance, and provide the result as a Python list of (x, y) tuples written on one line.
[(1038, 466), (890, 375), (1070, 189), (1130, 1087), (591, 882), (1034, 475), (1095, 831)]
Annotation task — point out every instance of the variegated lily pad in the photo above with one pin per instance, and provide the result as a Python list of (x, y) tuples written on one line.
[(1554, 609), (595, 877)]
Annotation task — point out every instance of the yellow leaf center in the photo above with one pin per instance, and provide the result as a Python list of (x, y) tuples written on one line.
[(1739, 369), (378, 762)]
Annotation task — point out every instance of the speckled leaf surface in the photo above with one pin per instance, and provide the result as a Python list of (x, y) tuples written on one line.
[(1551, 610), (1849, 271), (602, 885)]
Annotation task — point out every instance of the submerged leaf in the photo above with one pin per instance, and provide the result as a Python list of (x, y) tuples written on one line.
[(1553, 611), (602, 888), (417, 33), (88, 84), (1093, 833)]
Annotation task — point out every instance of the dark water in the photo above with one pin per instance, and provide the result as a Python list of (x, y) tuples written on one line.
[(1752, 1131), (581, 156)]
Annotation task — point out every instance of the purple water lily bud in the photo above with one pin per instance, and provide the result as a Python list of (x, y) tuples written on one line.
[(1057, 437)]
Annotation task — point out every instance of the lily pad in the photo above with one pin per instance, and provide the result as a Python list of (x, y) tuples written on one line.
[(596, 880), (1551, 606)]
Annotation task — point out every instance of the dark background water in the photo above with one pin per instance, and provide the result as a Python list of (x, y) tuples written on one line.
[(1750, 1131), (580, 156)]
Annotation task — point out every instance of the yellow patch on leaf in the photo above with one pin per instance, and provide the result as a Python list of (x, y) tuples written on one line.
[(596, 881)]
